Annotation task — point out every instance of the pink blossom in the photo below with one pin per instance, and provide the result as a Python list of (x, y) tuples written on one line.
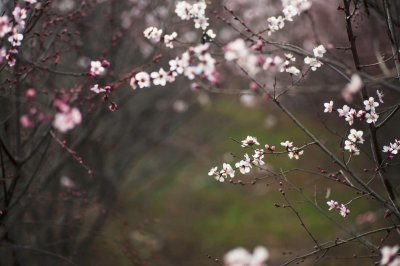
[(65, 121)]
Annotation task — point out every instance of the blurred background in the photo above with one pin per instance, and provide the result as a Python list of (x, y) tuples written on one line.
[(150, 200)]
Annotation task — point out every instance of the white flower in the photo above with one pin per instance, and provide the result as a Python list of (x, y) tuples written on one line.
[(319, 51), (227, 170), (361, 113), (213, 171), (290, 11), (313, 62), (97, 89), (351, 147), (250, 141), (389, 255), (344, 111), (176, 65), (260, 256), (96, 68), (244, 165), (273, 63), (237, 257), (371, 117), (293, 70), (380, 96), (241, 257), (258, 157), (393, 148), (65, 121), (5, 26), (356, 136), (201, 22), (275, 24), (206, 65), (15, 38), (348, 113), (183, 9), (160, 77), (328, 107), (210, 33), (143, 79), (198, 9), (370, 104), (169, 39), (31, 1), (287, 144), (153, 33), (295, 153), (332, 204), (19, 16), (344, 211), (290, 57)]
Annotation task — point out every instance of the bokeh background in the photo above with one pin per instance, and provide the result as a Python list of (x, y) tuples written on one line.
[(150, 200)]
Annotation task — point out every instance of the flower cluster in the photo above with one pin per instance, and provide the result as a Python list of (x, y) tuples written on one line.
[(393, 148), (13, 28), (238, 51), (196, 61), (390, 256), (341, 208), (291, 8), (313, 62), (67, 117), (293, 152), (257, 158), (97, 89), (250, 141), (354, 138), (242, 257), (278, 63), (98, 68), (369, 113), (196, 11), (155, 34)]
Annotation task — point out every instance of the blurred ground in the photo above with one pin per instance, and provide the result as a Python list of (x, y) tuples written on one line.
[(171, 213)]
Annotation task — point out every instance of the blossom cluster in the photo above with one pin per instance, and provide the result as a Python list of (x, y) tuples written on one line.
[(257, 158), (355, 137), (241, 257), (291, 8), (196, 61), (196, 11), (238, 51), (184, 11), (393, 148), (369, 113), (67, 117), (12, 29), (341, 208), (314, 63), (155, 34), (293, 152), (98, 68)]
